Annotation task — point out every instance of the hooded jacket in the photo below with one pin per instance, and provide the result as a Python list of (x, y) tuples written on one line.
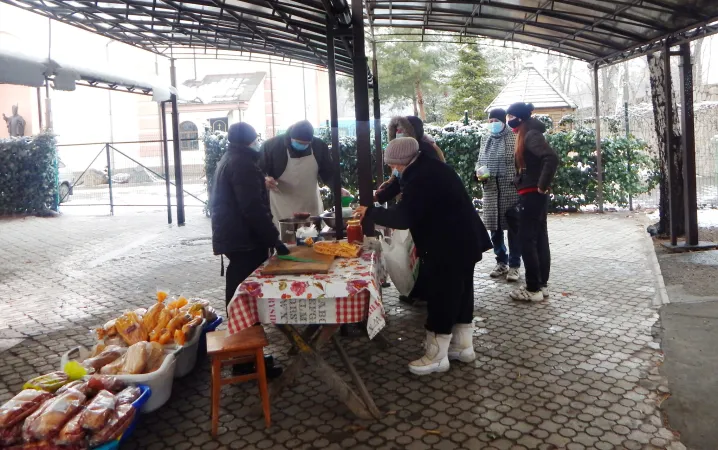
[(540, 160), (413, 127), (241, 218), (273, 156)]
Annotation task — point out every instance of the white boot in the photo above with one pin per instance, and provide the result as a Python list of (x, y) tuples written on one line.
[(436, 357), (462, 343)]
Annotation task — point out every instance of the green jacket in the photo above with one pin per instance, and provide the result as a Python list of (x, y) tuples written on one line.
[(273, 156)]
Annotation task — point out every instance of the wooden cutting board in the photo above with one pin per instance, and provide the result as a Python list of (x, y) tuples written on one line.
[(281, 267)]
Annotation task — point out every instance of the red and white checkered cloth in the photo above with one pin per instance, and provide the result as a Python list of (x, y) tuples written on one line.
[(349, 293)]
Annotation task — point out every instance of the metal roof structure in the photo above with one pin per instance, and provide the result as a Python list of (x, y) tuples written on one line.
[(224, 88), (598, 31), (530, 86)]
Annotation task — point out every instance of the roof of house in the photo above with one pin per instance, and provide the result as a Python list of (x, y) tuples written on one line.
[(223, 88), (530, 86)]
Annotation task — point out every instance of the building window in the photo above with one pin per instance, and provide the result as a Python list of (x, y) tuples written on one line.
[(189, 137)]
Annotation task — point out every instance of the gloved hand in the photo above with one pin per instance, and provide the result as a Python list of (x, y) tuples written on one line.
[(282, 249)]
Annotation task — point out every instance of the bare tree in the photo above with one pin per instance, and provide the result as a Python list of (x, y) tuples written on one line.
[(657, 76)]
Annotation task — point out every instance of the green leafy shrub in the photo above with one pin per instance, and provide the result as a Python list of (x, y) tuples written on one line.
[(28, 175), (461, 151)]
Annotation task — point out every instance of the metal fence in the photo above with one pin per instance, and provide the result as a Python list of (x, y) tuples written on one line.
[(128, 174)]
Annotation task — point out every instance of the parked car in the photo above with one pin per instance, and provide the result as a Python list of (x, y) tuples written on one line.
[(66, 180)]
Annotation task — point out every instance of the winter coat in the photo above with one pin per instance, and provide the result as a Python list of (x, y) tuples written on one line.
[(273, 156), (438, 211), (540, 160), (499, 191), (241, 218), (413, 127)]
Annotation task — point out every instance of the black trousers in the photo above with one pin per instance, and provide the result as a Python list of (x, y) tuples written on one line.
[(449, 293), (241, 265), (533, 232)]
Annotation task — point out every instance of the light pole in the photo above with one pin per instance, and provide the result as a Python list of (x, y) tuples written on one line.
[(109, 99)]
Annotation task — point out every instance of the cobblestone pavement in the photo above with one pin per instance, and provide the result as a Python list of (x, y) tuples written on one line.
[(577, 371)]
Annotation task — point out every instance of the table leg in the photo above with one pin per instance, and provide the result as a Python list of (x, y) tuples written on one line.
[(308, 355), (307, 335), (358, 382)]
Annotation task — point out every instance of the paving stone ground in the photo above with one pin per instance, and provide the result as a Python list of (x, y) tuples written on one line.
[(575, 372)]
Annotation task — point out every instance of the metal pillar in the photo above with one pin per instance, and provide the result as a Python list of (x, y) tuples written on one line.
[(599, 162), (669, 142), (378, 153), (689, 146), (166, 157), (334, 113), (361, 108), (628, 132), (109, 178), (179, 192)]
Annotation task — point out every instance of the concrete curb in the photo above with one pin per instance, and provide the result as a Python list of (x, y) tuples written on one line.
[(661, 298)]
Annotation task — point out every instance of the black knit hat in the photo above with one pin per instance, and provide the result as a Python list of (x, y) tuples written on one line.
[(498, 114), (521, 110), (418, 126), (241, 133), (302, 131)]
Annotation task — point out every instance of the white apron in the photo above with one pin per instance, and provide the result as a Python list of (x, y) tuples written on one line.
[(298, 189)]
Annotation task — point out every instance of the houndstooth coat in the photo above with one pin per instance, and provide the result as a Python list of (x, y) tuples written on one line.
[(499, 192)]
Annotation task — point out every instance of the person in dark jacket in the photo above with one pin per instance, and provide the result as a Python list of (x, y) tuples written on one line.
[(449, 237), (536, 164), (293, 162), (409, 126), (242, 228)]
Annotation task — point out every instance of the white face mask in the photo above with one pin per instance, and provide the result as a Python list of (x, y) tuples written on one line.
[(400, 135)]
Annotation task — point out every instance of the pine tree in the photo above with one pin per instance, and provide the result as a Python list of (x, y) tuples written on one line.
[(473, 85)]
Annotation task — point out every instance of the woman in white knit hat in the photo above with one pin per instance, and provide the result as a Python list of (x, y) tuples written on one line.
[(449, 237)]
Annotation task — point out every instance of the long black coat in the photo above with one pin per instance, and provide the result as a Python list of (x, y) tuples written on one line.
[(438, 211), (241, 218)]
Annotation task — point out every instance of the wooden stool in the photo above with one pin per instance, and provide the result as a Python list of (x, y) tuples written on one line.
[(225, 349)]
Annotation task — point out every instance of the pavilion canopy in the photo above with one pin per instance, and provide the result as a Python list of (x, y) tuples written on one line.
[(598, 31)]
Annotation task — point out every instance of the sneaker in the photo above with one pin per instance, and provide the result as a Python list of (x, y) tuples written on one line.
[(524, 295), (513, 274), (545, 292), (499, 271)]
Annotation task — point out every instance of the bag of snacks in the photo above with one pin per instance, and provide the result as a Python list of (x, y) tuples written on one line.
[(118, 423), (188, 329), (80, 385), (49, 382), (22, 405), (53, 416), (108, 355), (129, 326), (150, 319), (96, 413), (155, 358), (128, 395), (109, 329), (96, 383), (72, 433), (11, 435)]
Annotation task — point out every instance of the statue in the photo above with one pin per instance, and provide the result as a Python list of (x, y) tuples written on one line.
[(15, 123)]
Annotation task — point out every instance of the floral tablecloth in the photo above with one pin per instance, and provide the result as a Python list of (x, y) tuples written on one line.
[(349, 293)]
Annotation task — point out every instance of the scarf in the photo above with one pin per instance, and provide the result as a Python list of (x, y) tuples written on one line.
[(494, 154)]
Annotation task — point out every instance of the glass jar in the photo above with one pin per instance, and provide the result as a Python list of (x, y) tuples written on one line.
[(355, 233)]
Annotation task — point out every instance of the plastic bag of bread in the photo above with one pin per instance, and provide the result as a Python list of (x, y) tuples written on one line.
[(152, 316), (108, 355), (98, 411), (187, 331), (22, 405), (115, 340), (109, 329), (129, 326), (131, 363), (97, 349), (11, 435), (97, 383), (165, 316), (128, 395), (72, 433), (118, 423), (80, 385), (177, 304), (54, 414), (49, 382), (155, 358)]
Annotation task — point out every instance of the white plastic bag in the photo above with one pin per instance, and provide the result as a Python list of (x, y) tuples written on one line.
[(401, 261)]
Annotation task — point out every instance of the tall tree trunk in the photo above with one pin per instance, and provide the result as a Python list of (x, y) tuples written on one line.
[(420, 101), (414, 103), (657, 76), (698, 61)]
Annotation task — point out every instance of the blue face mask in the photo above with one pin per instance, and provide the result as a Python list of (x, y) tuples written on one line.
[(298, 146), (396, 173), (496, 127)]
